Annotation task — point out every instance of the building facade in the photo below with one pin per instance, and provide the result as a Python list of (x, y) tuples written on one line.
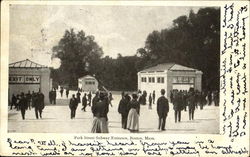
[(169, 76), (27, 76), (88, 83)]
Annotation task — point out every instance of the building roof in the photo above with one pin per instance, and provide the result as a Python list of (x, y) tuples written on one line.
[(168, 66), (26, 64), (87, 76), (159, 67)]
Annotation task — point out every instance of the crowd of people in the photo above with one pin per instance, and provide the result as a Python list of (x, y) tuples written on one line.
[(128, 107), (181, 100), (22, 102), (192, 99)]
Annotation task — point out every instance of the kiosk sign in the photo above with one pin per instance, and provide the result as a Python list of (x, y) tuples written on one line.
[(24, 79)]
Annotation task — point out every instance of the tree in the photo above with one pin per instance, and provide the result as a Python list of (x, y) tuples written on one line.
[(76, 52)]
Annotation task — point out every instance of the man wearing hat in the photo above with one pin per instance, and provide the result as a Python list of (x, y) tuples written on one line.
[(23, 105), (162, 110)]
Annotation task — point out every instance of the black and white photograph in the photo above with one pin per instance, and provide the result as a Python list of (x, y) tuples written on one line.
[(114, 69)]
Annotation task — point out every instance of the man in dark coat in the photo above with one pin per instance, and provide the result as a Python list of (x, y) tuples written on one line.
[(39, 104), (28, 97), (84, 102), (123, 109), (13, 101), (73, 106), (178, 105), (162, 110), (23, 105), (191, 103)]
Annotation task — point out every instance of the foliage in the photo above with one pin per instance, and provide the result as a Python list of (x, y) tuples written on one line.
[(75, 50), (193, 41)]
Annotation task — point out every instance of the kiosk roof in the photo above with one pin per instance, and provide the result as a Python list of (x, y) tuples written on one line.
[(26, 64)]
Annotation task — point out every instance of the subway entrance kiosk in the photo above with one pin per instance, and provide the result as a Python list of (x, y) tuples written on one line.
[(27, 75)]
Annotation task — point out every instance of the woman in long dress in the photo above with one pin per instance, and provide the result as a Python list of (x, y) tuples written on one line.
[(100, 111), (133, 115)]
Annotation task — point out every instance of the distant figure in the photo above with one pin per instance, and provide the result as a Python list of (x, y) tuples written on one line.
[(17, 102), (162, 110), (142, 98), (153, 97), (13, 101), (110, 98), (61, 91), (73, 106), (50, 96), (123, 109), (216, 98), (32, 99), (191, 104), (209, 97), (23, 105), (150, 101), (133, 115), (89, 98), (202, 100), (171, 96), (67, 93), (185, 96), (78, 97), (100, 111), (213, 99), (28, 97), (54, 96), (84, 102)]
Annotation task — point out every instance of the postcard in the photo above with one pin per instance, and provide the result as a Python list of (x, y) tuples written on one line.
[(124, 78)]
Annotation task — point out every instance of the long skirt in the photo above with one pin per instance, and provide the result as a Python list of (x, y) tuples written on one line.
[(100, 125), (133, 120)]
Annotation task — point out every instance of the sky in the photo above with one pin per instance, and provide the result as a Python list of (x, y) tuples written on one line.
[(35, 29)]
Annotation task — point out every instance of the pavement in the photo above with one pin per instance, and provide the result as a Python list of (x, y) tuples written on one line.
[(56, 119)]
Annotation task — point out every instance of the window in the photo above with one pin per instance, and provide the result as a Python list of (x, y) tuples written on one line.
[(89, 82), (183, 79), (160, 79), (191, 80), (174, 79), (153, 80), (149, 79), (143, 79)]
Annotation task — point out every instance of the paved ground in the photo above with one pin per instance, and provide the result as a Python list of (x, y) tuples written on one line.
[(56, 119)]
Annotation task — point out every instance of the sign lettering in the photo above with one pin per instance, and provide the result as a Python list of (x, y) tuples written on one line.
[(25, 79)]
